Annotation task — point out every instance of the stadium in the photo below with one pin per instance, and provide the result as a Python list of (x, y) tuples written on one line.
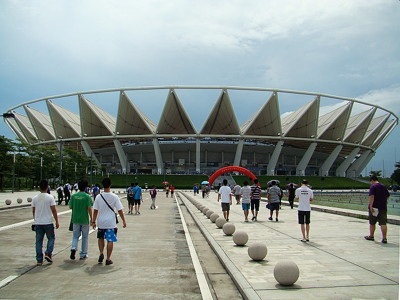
[(287, 133)]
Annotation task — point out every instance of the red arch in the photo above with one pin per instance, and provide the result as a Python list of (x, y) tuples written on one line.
[(230, 169)]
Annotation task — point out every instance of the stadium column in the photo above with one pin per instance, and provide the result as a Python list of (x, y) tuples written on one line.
[(274, 158), (341, 170), (238, 154), (89, 152), (326, 166), (198, 155), (123, 159), (157, 152), (356, 167), (301, 167)]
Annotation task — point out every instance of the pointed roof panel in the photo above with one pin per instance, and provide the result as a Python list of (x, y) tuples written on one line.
[(94, 120), (26, 127), (130, 120), (374, 129), (12, 123), (390, 124), (66, 123), (303, 122), (41, 124), (358, 125), (266, 121), (332, 125), (222, 119), (174, 119)]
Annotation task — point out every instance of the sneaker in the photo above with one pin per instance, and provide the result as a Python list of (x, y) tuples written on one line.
[(48, 258), (83, 257), (138, 212), (101, 258), (253, 218), (227, 220), (303, 240), (270, 218), (72, 256), (39, 263), (369, 238), (109, 262), (384, 241), (277, 219)]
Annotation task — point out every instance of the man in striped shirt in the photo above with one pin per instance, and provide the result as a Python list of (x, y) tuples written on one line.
[(255, 199)]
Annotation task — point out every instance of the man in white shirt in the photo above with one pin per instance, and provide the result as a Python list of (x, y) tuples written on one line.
[(104, 212), (237, 189), (304, 195), (43, 210), (225, 195)]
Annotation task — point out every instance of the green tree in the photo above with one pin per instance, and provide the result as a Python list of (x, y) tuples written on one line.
[(396, 174), (377, 173), (6, 165)]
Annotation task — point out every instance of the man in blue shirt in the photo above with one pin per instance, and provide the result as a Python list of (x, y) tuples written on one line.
[(137, 197)]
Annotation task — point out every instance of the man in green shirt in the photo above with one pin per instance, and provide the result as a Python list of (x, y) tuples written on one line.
[(81, 205)]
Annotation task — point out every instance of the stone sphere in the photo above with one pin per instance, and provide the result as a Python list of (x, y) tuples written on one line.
[(286, 272), (8, 201), (209, 213), (257, 251), (214, 217), (220, 222), (29, 199), (204, 210), (19, 200), (229, 228), (240, 238)]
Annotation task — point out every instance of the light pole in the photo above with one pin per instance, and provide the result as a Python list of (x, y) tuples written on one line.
[(61, 157), (41, 168), (13, 176)]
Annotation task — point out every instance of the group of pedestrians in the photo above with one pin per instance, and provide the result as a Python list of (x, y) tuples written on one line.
[(100, 215), (250, 199)]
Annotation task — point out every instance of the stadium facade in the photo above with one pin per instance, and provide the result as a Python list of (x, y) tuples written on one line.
[(307, 141)]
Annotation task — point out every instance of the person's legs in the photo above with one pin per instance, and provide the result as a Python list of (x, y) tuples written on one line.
[(51, 237), (384, 231), (39, 242), (307, 231), (75, 236), (276, 214), (110, 247), (85, 239), (371, 230), (257, 208)]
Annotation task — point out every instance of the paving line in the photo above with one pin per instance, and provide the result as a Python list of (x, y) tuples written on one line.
[(27, 222), (7, 280), (201, 278)]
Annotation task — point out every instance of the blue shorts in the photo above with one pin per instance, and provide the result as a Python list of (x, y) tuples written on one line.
[(245, 206), (101, 233)]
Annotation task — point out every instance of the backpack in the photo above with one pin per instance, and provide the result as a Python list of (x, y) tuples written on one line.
[(130, 192)]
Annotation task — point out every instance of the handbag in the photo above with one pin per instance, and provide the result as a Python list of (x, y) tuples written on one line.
[(116, 217)]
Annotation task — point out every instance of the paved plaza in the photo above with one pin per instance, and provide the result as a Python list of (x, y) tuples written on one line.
[(154, 259)]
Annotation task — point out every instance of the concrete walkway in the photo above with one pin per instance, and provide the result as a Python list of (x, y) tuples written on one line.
[(152, 258), (337, 263)]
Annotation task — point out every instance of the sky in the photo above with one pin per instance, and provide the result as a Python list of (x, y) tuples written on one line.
[(343, 48)]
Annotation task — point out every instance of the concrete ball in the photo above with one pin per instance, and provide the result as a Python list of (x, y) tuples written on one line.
[(220, 222), (204, 210), (29, 199), (19, 200), (8, 201), (286, 272), (229, 228), (240, 238), (257, 251), (209, 213), (214, 217)]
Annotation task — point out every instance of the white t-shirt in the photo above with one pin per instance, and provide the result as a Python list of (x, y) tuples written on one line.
[(237, 189), (246, 192), (42, 203), (225, 193), (304, 194), (106, 216)]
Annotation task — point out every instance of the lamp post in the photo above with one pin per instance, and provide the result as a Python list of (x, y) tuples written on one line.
[(61, 158), (13, 175)]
